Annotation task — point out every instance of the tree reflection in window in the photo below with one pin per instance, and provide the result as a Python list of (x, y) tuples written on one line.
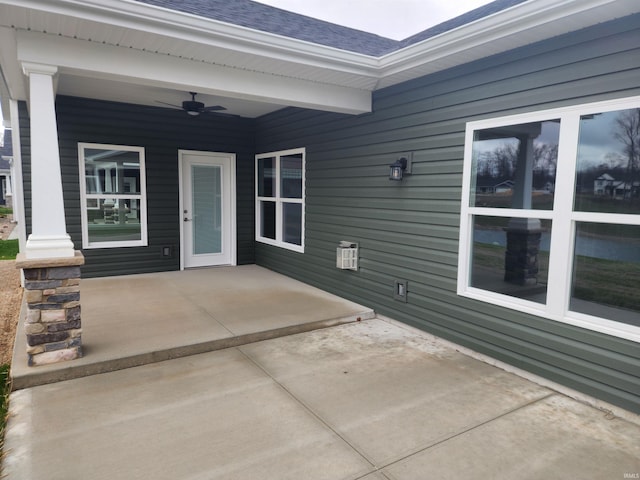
[(606, 263), (608, 168)]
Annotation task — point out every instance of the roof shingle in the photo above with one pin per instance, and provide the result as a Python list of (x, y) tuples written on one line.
[(265, 18), (471, 16), (281, 22)]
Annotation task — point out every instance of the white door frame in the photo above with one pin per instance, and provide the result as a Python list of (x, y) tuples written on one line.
[(230, 162)]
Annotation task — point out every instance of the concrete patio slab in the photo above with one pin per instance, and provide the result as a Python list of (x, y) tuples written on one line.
[(201, 417), (138, 319), (368, 400), (387, 392), (553, 438)]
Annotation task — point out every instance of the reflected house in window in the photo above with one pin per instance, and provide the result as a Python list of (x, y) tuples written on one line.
[(574, 255), (606, 185), (488, 186), (603, 185), (113, 193), (505, 160)]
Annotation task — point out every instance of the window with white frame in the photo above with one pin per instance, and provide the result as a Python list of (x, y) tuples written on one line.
[(280, 199), (112, 195), (550, 217)]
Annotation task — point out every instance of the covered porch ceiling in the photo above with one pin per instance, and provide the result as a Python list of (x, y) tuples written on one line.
[(127, 51)]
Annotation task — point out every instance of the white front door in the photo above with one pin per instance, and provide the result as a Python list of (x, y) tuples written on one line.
[(207, 205)]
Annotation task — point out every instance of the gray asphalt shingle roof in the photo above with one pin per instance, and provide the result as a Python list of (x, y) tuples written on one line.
[(281, 22), (471, 16), (265, 18)]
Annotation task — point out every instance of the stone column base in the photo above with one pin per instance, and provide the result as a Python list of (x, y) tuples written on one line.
[(52, 292), (521, 257)]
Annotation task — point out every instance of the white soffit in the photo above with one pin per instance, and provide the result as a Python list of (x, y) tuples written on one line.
[(148, 32), (111, 90), (91, 60)]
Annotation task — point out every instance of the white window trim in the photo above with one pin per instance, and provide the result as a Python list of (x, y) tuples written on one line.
[(278, 242), (141, 197), (563, 217)]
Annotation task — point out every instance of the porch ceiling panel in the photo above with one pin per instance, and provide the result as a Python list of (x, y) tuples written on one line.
[(109, 90), (342, 88), (91, 60)]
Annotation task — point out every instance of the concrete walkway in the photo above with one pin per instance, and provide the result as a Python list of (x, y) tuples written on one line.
[(368, 400)]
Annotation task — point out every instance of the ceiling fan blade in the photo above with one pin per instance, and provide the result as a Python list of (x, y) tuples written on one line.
[(169, 104), (213, 108)]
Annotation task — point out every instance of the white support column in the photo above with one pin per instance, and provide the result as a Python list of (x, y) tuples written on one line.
[(523, 188), (49, 238), (18, 192), (9, 187)]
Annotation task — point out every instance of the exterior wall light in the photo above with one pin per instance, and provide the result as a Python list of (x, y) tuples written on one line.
[(400, 167)]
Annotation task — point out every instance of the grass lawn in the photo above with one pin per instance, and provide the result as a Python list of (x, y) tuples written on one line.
[(608, 282), (8, 249)]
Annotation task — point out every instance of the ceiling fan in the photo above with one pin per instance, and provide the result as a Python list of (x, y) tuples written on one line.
[(193, 107)]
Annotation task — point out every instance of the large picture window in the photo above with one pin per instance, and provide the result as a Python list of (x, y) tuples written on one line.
[(280, 199), (550, 220), (113, 196)]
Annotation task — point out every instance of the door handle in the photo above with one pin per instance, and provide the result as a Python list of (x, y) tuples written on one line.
[(187, 219)]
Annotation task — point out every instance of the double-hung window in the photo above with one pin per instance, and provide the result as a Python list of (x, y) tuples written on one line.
[(113, 196), (550, 218), (280, 199)]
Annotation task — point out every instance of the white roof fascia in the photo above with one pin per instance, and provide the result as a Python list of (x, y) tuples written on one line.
[(516, 26), (184, 26), (519, 25)]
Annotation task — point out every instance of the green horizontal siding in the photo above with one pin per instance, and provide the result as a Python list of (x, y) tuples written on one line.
[(162, 132), (409, 230)]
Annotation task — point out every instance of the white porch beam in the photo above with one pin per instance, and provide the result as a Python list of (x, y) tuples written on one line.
[(49, 238), (93, 60), (12, 84)]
